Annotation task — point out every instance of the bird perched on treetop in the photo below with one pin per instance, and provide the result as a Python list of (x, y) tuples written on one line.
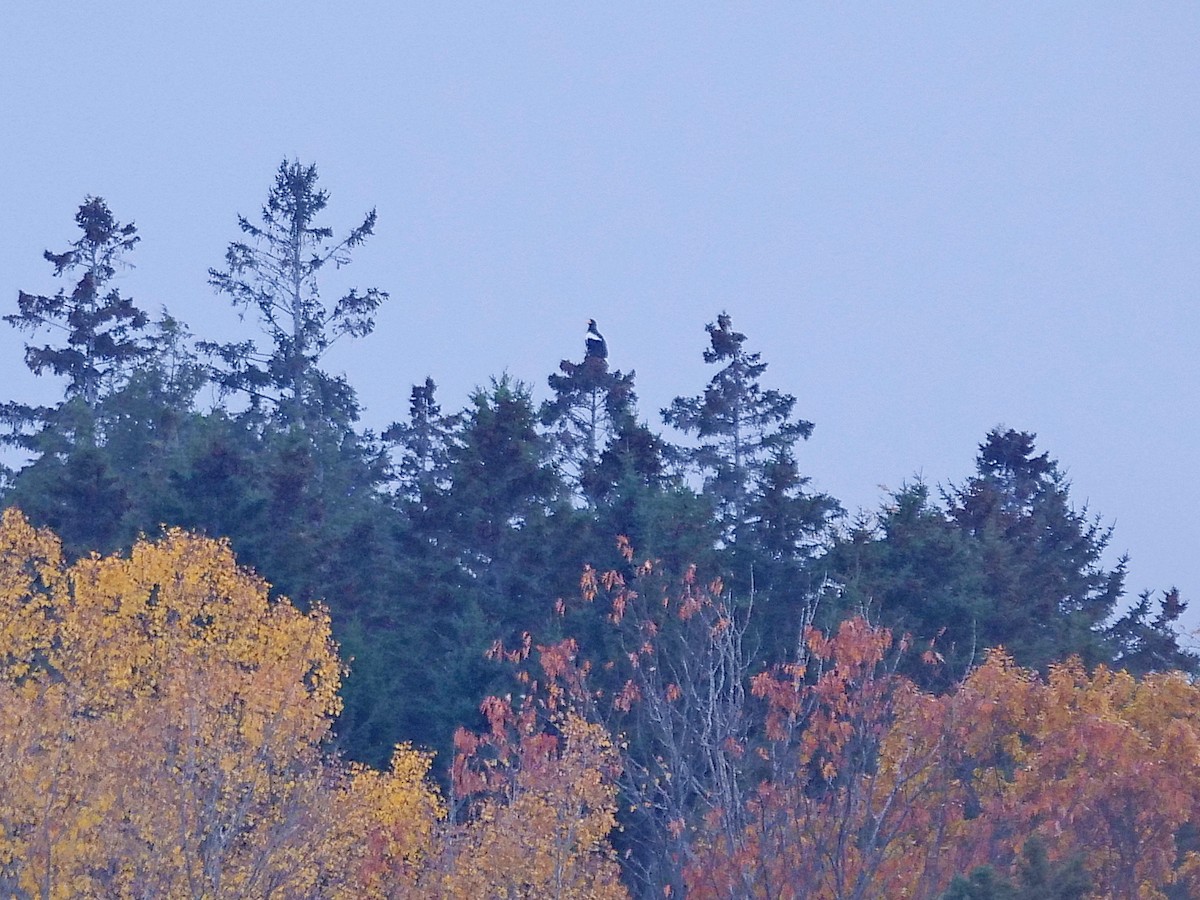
[(596, 347)]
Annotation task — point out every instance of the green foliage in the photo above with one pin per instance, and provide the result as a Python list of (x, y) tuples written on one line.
[(771, 525), (617, 469), (1040, 558), (73, 485), (592, 408), (982, 884), (276, 273), (497, 509), (423, 444), (746, 439), (73, 482), (101, 330), (1007, 562), (914, 570), (1146, 636), (1037, 879), (482, 518)]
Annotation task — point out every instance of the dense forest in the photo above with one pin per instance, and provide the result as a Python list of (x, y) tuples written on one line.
[(548, 609)]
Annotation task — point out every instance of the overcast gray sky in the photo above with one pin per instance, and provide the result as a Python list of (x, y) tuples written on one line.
[(929, 218)]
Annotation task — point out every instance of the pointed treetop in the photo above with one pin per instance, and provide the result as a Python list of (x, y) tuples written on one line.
[(277, 272), (725, 341), (103, 329)]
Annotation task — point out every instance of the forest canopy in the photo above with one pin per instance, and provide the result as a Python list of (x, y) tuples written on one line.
[(700, 660)]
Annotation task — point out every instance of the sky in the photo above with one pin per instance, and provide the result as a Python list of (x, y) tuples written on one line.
[(930, 218)]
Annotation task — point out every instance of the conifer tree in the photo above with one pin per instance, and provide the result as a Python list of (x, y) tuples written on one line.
[(275, 272), (498, 505), (1042, 560), (1146, 636), (746, 437), (770, 523), (478, 545), (71, 482), (913, 570), (321, 526), (101, 330), (592, 405), (1004, 560), (423, 443), (100, 336)]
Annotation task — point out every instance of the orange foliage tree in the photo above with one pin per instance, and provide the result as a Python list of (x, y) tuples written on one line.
[(533, 803), (162, 724), (674, 691), (841, 810), (879, 789), (834, 776), (1099, 764)]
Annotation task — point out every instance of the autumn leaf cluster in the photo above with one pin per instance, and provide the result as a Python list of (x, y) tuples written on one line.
[(880, 789), (835, 775), (163, 731)]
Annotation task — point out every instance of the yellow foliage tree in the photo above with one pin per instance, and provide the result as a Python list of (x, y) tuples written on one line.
[(400, 822), (161, 731), (540, 807), (1099, 764), (160, 726)]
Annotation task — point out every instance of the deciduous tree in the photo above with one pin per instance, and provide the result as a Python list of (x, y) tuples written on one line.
[(162, 726), (538, 807), (877, 788)]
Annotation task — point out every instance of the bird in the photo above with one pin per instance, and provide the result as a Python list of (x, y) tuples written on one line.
[(596, 346)]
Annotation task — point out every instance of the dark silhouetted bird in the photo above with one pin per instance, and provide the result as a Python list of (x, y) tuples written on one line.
[(596, 347)]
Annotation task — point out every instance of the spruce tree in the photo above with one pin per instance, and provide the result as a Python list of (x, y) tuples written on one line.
[(1049, 594), (1005, 560), (746, 438), (71, 483), (592, 408), (101, 331), (480, 550), (1145, 638), (423, 445), (771, 524), (498, 505), (275, 272), (321, 525), (1037, 879), (910, 568)]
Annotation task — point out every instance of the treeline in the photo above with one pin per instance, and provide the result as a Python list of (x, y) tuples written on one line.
[(454, 541), (164, 726)]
